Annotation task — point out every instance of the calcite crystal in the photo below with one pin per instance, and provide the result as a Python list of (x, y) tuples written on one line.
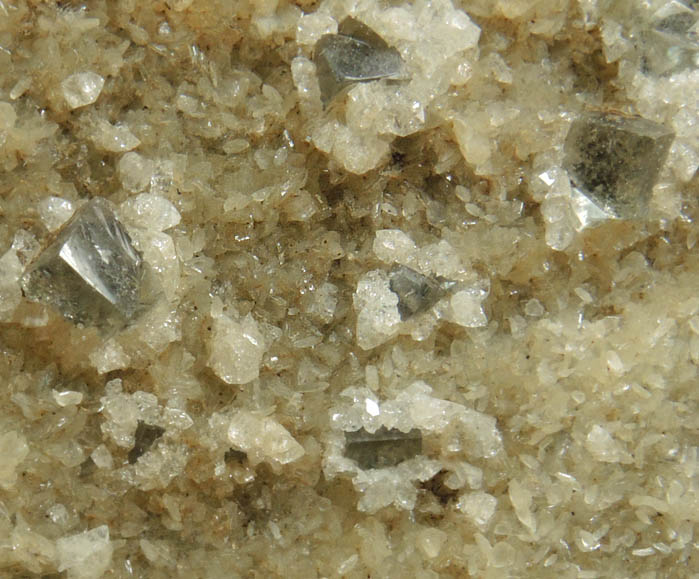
[(355, 54), (90, 272), (615, 160), (385, 447)]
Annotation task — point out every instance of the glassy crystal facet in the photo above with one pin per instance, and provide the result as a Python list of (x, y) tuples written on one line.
[(356, 54), (146, 435), (383, 448), (90, 272), (416, 292), (615, 160)]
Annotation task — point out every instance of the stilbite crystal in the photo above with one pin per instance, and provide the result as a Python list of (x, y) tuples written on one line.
[(90, 272)]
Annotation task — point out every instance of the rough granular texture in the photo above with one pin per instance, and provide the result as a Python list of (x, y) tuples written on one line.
[(487, 237)]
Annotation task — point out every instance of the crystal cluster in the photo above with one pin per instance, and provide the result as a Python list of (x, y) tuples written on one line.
[(615, 160), (91, 271), (355, 54)]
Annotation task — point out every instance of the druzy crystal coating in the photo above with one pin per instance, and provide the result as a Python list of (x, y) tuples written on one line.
[(90, 272), (356, 54), (615, 160)]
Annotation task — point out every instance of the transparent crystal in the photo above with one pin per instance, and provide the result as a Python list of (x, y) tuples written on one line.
[(385, 447), (146, 435), (672, 43), (90, 272), (416, 292), (82, 88), (355, 54), (615, 160)]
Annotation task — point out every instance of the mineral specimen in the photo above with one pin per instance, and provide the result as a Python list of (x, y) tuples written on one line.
[(416, 292), (385, 447), (615, 160), (90, 272), (355, 54)]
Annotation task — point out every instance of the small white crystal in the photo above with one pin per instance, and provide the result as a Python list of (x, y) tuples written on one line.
[(377, 310), (151, 212), (13, 450), (85, 555), (54, 212), (10, 291), (67, 397), (102, 457), (479, 507), (534, 308), (431, 541), (8, 116), (603, 447), (393, 245), (467, 310), (312, 26), (521, 499), (114, 138), (58, 514), (110, 356), (235, 349), (82, 88), (263, 439), (135, 172)]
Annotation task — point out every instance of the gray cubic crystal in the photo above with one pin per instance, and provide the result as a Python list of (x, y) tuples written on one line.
[(146, 435), (416, 292), (90, 272), (615, 160), (383, 448), (355, 54)]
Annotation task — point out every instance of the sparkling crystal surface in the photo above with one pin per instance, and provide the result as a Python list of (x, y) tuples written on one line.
[(90, 272), (615, 160), (355, 54), (385, 447)]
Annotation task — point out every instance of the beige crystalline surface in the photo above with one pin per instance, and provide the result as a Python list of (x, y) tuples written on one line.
[(432, 260)]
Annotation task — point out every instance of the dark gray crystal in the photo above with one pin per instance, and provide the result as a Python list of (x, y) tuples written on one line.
[(146, 435), (383, 448), (416, 292), (615, 160), (355, 54), (91, 272)]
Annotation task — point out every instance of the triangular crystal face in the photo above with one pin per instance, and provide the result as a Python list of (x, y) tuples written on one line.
[(416, 292), (91, 271), (356, 54), (615, 160)]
